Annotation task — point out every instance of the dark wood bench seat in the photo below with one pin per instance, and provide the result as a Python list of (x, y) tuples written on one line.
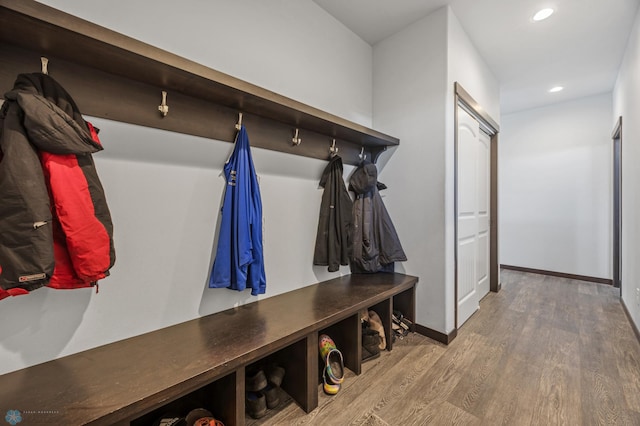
[(204, 360)]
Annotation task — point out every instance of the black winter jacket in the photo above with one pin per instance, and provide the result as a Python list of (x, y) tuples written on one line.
[(333, 241), (375, 242)]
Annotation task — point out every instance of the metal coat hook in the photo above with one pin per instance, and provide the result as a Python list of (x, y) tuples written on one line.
[(44, 62), (333, 149), (239, 125), (296, 140), (362, 155), (163, 107)]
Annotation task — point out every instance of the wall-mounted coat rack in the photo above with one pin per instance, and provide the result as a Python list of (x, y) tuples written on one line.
[(119, 78)]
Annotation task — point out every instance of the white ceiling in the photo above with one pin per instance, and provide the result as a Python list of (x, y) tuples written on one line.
[(580, 47)]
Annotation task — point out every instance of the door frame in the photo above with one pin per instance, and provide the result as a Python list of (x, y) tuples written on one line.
[(463, 99), (616, 137)]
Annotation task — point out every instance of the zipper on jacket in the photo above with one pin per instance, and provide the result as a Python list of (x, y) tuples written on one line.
[(37, 225)]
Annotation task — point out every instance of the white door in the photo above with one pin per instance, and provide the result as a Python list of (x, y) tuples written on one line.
[(473, 215)]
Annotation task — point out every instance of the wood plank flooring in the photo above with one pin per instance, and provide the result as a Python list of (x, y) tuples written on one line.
[(543, 351)]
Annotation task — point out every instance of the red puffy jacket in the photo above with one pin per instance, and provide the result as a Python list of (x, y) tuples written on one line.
[(55, 226)]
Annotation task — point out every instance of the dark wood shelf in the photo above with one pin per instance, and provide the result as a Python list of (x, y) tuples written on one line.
[(117, 77), (135, 380)]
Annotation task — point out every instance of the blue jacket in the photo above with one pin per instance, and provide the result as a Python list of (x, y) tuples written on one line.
[(239, 261)]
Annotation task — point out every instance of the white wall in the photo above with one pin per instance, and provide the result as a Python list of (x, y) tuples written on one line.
[(409, 101), (414, 71), (626, 101), (469, 69), (555, 168), (165, 189)]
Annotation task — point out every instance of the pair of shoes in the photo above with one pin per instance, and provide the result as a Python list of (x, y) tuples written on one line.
[(263, 391), (196, 417), (333, 374), (202, 417), (400, 325)]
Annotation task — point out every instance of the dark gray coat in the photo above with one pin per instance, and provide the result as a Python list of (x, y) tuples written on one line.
[(333, 241), (375, 242)]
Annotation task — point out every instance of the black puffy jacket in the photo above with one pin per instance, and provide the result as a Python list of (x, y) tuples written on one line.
[(375, 242)]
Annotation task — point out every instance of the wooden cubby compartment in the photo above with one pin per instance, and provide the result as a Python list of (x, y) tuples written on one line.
[(347, 335), (298, 363), (217, 397), (405, 302)]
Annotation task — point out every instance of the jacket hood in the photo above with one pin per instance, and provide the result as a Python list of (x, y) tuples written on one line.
[(365, 179), (51, 117)]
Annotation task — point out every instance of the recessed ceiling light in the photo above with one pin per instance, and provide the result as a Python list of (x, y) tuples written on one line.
[(543, 14), (556, 89)]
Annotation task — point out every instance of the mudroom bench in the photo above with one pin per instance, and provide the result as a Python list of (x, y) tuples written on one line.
[(202, 362)]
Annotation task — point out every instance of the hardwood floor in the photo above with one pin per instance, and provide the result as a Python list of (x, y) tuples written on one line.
[(543, 351)]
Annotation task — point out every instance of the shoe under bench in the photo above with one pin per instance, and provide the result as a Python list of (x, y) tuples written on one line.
[(202, 362)]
